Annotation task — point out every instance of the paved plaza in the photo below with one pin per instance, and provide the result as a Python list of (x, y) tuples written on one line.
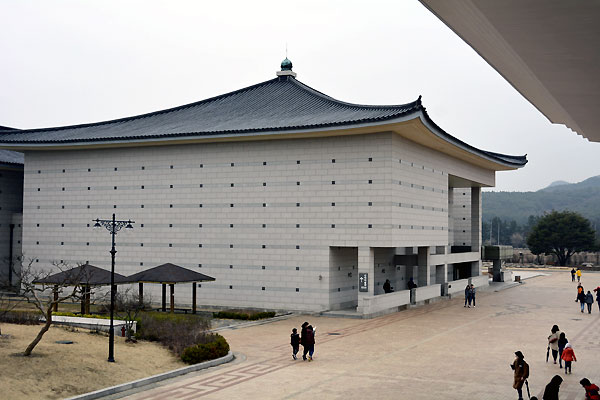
[(436, 351)]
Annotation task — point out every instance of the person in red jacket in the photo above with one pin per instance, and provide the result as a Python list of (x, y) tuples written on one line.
[(568, 356), (591, 390)]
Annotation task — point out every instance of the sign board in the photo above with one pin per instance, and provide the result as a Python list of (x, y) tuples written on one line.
[(363, 282)]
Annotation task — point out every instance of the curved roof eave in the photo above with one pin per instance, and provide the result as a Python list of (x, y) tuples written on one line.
[(501, 160)]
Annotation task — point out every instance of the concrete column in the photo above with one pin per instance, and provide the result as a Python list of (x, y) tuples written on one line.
[(366, 264), (450, 216), (424, 267), (476, 228), (476, 219), (497, 271)]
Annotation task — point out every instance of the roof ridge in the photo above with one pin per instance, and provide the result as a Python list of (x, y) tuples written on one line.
[(140, 116), (322, 95)]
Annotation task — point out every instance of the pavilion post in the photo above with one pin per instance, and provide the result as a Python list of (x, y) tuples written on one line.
[(164, 297), (193, 297), (172, 292), (83, 294), (141, 293), (88, 295), (55, 291)]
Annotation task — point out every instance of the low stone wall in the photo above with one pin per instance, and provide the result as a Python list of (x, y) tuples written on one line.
[(427, 292), (384, 302), (481, 280), (456, 286)]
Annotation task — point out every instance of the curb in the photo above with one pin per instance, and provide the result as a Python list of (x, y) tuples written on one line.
[(152, 379)]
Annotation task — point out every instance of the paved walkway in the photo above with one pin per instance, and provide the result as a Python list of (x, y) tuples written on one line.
[(438, 351)]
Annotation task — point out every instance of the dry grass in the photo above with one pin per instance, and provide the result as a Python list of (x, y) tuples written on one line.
[(55, 371)]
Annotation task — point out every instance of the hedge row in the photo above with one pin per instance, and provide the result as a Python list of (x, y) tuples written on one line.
[(243, 315), (20, 317)]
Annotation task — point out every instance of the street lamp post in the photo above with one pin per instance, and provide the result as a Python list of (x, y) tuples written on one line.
[(113, 226)]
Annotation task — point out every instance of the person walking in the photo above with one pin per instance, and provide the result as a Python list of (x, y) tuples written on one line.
[(521, 373), (472, 292), (309, 346), (295, 342), (597, 290), (572, 274), (553, 341), (581, 298), (551, 390), (562, 342), (468, 295), (578, 273), (303, 339), (568, 357), (591, 390), (589, 300)]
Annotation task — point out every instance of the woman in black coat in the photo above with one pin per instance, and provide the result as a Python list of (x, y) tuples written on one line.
[(551, 391)]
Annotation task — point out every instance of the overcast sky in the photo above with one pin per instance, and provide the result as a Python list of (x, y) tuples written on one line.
[(71, 62)]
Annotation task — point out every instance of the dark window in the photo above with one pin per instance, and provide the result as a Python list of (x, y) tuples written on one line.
[(263, 288), (263, 267), (370, 203), (231, 246), (170, 244), (298, 162), (297, 289), (264, 246), (264, 163), (332, 204), (333, 182), (297, 247), (297, 204), (231, 226), (230, 266), (333, 225), (232, 185), (370, 226), (370, 159), (115, 168), (370, 181), (231, 205), (333, 160), (297, 225), (232, 164)]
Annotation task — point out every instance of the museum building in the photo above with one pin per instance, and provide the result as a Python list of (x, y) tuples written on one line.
[(289, 198)]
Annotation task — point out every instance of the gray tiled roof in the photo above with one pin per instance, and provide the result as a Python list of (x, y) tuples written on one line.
[(11, 157), (168, 273), (278, 105)]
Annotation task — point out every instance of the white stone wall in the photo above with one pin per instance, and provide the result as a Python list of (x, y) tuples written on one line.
[(11, 203), (259, 216)]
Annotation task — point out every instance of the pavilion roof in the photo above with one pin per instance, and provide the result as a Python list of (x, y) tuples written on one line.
[(278, 106), (83, 274), (168, 273)]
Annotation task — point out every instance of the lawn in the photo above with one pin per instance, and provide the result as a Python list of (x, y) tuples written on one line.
[(56, 371)]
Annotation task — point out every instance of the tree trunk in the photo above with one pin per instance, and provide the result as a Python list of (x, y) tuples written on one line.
[(40, 333)]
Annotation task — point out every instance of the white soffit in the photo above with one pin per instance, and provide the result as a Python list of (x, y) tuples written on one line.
[(549, 50)]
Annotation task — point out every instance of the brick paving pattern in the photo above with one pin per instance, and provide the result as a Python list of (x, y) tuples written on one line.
[(441, 350)]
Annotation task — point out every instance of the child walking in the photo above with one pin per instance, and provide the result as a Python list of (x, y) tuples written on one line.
[(295, 342), (568, 356)]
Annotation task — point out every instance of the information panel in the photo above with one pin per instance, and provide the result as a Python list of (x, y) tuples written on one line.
[(363, 282)]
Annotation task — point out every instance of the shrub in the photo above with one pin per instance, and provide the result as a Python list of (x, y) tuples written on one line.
[(174, 331), (248, 316), (215, 348), (20, 317)]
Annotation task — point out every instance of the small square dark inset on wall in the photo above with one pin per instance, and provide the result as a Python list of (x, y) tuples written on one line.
[(230, 287), (297, 289), (263, 288), (297, 247)]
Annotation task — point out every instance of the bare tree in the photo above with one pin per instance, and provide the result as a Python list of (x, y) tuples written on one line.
[(127, 307), (34, 287), (9, 300)]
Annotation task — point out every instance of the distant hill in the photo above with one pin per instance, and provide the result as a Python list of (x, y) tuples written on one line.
[(558, 183), (582, 197)]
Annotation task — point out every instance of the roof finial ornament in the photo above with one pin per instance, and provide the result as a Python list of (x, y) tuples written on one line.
[(286, 66)]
